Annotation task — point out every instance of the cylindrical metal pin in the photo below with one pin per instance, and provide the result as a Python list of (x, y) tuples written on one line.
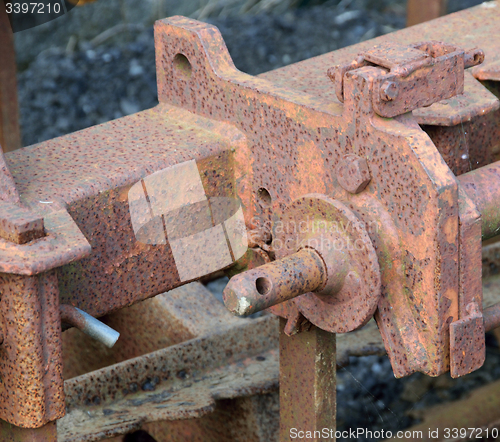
[(275, 282), (483, 187), (88, 325)]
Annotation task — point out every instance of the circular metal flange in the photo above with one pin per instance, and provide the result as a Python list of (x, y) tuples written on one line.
[(351, 294)]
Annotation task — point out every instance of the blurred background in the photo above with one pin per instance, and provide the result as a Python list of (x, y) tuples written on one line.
[(96, 63)]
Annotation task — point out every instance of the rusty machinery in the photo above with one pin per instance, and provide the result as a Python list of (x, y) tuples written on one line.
[(367, 181)]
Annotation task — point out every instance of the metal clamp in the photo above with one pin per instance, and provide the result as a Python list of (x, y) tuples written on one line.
[(418, 75)]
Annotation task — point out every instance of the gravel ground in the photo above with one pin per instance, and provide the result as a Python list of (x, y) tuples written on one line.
[(63, 90), (368, 395)]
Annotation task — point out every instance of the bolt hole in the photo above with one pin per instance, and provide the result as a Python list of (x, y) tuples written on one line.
[(263, 285), (264, 197), (182, 65)]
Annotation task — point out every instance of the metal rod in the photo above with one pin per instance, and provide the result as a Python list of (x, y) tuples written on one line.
[(491, 317), (419, 11), (483, 187), (307, 384), (275, 282), (89, 325), (10, 135)]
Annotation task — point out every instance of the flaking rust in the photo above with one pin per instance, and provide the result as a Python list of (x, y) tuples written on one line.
[(353, 211)]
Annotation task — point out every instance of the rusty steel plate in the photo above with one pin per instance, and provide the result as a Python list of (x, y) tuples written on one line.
[(333, 230), (265, 141), (467, 346)]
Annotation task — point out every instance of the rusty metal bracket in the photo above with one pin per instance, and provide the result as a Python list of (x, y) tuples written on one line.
[(467, 346), (416, 76), (288, 153)]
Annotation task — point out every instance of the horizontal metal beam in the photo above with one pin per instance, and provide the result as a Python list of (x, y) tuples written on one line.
[(483, 187)]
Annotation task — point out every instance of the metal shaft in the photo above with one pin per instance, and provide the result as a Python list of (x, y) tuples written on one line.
[(491, 317), (483, 187), (10, 135), (275, 282), (89, 325)]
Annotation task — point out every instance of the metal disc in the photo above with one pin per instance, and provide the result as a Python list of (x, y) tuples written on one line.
[(337, 234)]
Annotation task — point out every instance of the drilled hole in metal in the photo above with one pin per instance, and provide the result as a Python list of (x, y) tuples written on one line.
[(182, 65), (263, 285), (264, 197)]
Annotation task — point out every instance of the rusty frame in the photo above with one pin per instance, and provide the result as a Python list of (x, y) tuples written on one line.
[(248, 134)]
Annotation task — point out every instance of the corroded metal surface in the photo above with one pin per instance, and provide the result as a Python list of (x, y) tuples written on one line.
[(120, 270), (428, 219), (8, 191), (482, 185), (258, 289), (418, 75), (352, 173), (19, 225), (307, 385), (171, 319), (492, 317), (314, 133), (182, 314), (418, 11), (478, 28), (62, 244), (31, 393), (268, 143), (10, 433), (178, 382), (467, 346), (88, 324), (351, 292)]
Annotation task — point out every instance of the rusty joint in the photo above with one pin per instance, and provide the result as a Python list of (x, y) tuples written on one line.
[(416, 76)]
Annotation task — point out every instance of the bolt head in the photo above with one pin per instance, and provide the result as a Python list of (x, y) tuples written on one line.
[(389, 91), (353, 173), (18, 224)]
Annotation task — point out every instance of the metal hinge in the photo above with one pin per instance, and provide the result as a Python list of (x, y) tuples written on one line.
[(418, 75)]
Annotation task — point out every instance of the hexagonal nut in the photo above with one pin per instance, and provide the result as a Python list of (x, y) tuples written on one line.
[(353, 173)]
